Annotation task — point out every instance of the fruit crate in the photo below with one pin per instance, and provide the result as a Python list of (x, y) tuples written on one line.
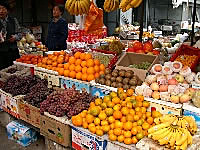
[(31, 66), (164, 107), (109, 58), (187, 50), (120, 146)]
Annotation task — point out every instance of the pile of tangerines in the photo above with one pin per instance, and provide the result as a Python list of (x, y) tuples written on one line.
[(121, 115), (80, 66), (30, 59)]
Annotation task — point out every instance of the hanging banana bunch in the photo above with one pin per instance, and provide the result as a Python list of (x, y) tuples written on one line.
[(111, 5), (127, 4), (77, 7)]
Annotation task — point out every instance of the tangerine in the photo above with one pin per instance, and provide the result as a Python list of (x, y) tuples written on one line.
[(72, 60), (128, 141), (77, 55), (96, 68), (83, 64), (117, 131), (96, 75), (61, 71), (96, 62), (72, 74), (66, 66), (79, 76), (60, 65), (90, 63), (54, 64), (88, 56), (78, 68), (84, 77), (112, 137), (90, 70), (90, 77), (72, 67), (78, 62), (127, 134), (89, 118), (120, 138), (117, 114), (82, 56), (102, 67), (84, 70), (66, 73)]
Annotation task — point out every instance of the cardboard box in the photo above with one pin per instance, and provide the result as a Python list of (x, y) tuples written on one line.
[(20, 133), (51, 145), (164, 107), (191, 110), (55, 131), (69, 82), (29, 113), (134, 58), (9, 103), (83, 140), (119, 146)]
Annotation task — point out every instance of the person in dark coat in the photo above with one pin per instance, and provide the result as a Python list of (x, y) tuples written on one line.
[(9, 29), (57, 30)]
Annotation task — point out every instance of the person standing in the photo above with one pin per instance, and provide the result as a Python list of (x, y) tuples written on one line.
[(9, 29), (57, 30)]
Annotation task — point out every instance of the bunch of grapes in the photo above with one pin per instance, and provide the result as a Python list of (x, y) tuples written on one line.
[(38, 93), (68, 102), (1, 84), (20, 85), (12, 70)]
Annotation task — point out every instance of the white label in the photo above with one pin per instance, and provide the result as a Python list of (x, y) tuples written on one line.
[(196, 86)]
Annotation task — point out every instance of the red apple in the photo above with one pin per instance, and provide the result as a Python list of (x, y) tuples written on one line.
[(148, 47), (155, 52), (137, 45)]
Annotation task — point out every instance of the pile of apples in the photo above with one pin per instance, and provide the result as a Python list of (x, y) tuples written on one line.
[(171, 82), (146, 48)]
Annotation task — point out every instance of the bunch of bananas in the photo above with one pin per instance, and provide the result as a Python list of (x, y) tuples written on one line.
[(111, 5), (77, 7), (173, 132), (127, 4)]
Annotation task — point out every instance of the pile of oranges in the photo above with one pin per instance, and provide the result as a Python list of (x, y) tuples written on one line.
[(121, 115), (30, 59)]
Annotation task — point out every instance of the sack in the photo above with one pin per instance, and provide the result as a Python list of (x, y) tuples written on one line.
[(94, 19)]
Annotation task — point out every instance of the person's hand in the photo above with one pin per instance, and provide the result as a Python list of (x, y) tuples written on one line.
[(12, 39)]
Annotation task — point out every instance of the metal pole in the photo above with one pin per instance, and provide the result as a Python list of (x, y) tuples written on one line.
[(141, 21), (193, 22)]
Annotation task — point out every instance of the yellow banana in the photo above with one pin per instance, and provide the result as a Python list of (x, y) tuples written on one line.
[(157, 120), (166, 139), (113, 7), (116, 4), (83, 7), (110, 5), (161, 136), (86, 5), (124, 3), (189, 138), (106, 5), (179, 122), (184, 123), (158, 127), (128, 6), (173, 138), (133, 2), (183, 138), (175, 121), (76, 11), (68, 4), (161, 131), (138, 4), (184, 145), (71, 8), (177, 147), (80, 12), (168, 118)]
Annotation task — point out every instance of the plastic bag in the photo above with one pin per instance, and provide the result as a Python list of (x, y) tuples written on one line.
[(94, 19)]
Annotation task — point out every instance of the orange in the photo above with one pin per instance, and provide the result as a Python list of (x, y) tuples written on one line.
[(106, 128), (116, 100), (156, 114), (39, 64), (96, 68), (66, 66), (66, 73), (79, 76), (90, 124), (78, 62), (145, 104), (90, 70), (78, 68), (72, 74), (139, 114), (117, 131), (99, 132), (77, 120), (83, 113), (148, 114), (85, 125), (60, 66), (102, 67), (72, 60), (44, 60), (49, 67), (96, 75), (139, 128), (60, 60), (130, 118), (127, 134), (61, 71), (72, 67), (123, 119), (84, 70), (112, 137), (62, 52), (88, 56), (150, 120), (143, 110), (54, 64), (43, 66), (120, 138), (89, 118), (145, 126), (134, 130), (134, 140), (82, 56), (117, 114), (111, 119), (144, 116), (90, 77), (118, 124), (102, 116), (110, 132), (139, 104), (90, 63), (128, 126), (92, 129), (138, 109), (84, 77), (128, 141), (125, 111), (54, 58), (101, 72), (112, 125), (134, 124), (83, 64), (130, 92), (139, 98), (96, 62), (50, 56), (77, 55), (49, 62), (56, 53), (54, 68), (132, 112), (97, 121), (136, 117)]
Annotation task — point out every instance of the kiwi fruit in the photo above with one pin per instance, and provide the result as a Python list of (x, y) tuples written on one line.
[(139, 82), (126, 80), (121, 73), (97, 80), (119, 85), (102, 81), (108, 76), (135, 77), (128, 74), (126, 87), (113, 79), (114, 84), (116, 71), (108, 82), (114, 74), (107, 71), (133, 82), (119, 79), (102, 76)]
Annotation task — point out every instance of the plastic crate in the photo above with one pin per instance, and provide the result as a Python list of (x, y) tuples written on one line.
[(187, 50)]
